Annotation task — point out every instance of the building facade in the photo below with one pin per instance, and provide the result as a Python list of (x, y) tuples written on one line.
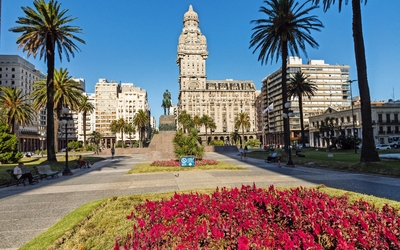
[(222, 100), (333, 91), (16, 72)]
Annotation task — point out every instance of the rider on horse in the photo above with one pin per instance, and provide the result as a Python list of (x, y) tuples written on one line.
[(166, 103)]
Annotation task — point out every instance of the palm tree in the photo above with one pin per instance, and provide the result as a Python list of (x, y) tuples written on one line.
[(299, 87), (118, 126), (186, 121), (45, 31), (197, 121), (141, 120), (67, 93), (95, 138), (207, 121), (17, 108), (368, 152), (85, 107), (242, 120), (130, 129), (287, 27)]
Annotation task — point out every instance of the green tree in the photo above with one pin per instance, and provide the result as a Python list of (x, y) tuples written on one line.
[(8, 146), (208, 122), (188, 145), (286, 27), (130, 130), (368, 152), (299, 86), (242, 120), (85, 107), (67, 93), (235, 137), (16, 106), (197, 121), (186, 121), (326, 131), (141, 120), (45, 30), (95, 138), (118, 126)]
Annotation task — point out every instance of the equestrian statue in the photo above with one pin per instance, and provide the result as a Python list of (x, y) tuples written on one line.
[(166, 103)]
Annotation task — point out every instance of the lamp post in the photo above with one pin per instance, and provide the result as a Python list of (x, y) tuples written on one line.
[(66, 119), (24, 146), (352, 116), (288, 115), (42, 138)]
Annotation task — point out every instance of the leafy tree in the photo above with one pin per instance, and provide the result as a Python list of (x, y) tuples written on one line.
[(17, 108), (67, 93), (254, 143), (186, 121), (95, 138), (286, 27), (85, 107), (75, 145), (8, 146), (235, 137), (118, 126), (327, 130), (197, 121), (347, 141), (368, 152), (188, 144), (299, 86), (130, 129), (45, 31), (141, 120), (242, 120)]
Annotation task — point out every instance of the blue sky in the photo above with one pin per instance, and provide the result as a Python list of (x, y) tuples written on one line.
[(136, 41)]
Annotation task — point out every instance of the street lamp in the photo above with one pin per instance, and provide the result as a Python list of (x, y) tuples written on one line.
[(288, 115), (352, 116), (42, 138), (66, 119)]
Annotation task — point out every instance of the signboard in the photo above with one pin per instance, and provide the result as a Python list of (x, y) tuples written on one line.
[(187, 161)]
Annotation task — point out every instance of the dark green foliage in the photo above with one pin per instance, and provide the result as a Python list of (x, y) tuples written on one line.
[(167, 127), (8, 146), (188, 145), (75, 145), (216, 143), (347, 141)]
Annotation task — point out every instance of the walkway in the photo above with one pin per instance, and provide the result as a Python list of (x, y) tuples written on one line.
[(30, 210)]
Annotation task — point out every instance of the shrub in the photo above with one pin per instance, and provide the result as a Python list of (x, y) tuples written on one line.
[(174, 163), (216, 143), (187, 145), (254, 143), (254, 218)]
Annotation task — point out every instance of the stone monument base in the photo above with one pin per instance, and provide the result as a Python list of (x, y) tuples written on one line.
[(161, 146)]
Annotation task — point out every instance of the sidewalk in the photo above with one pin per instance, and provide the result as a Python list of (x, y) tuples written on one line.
[(30, 210)]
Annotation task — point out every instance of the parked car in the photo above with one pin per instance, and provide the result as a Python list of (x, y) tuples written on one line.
[(395, 144), (382, 146)]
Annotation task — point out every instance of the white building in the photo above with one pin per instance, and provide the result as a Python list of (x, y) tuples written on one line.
[(222, 100)]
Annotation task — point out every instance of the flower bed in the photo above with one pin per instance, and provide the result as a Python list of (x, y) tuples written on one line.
[(174, 163), (254, 218)]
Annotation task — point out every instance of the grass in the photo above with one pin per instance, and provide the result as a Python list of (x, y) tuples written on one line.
[(342, 160), (146, 168), (30, 162), (98, 229)]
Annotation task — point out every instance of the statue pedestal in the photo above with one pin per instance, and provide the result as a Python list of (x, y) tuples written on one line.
[(161, 146)]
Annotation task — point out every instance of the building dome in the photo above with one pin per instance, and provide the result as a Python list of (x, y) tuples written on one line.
[(190, 15)]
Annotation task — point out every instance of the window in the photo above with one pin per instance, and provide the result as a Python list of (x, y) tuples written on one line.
[(387, 117), (379, 117), (396, 116), (12, 69)]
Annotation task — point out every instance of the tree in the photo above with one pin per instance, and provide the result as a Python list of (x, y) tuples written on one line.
[(141, 120), (8, 146), (130, 129), (187, 145), (95, 138), (326, 130), (208, 122), (186, 121), (299, 87), (197, 122), (67, 93), (17, 108), (368, 152), (242, 120), (45, 31), (287, 27), (85, 107), (118, 126)]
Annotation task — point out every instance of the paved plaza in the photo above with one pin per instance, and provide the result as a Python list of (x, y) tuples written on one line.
[(27, 211)]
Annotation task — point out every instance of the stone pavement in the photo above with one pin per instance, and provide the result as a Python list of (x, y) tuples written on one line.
[(27, 211)]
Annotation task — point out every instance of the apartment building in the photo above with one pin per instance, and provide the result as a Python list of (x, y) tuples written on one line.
[(16, 72), (223, 100), (333, 91)]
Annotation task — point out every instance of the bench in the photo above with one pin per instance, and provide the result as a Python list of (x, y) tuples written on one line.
[(44, 171), (14, 178)]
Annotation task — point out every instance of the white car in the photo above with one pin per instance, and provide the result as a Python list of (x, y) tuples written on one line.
[(382, 146)]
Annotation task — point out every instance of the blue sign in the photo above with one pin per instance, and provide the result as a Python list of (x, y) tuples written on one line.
[(187, 161)]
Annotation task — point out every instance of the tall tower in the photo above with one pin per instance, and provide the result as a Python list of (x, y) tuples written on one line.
[(192, 54)]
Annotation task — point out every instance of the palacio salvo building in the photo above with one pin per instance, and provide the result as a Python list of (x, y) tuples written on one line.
[(222, 100)]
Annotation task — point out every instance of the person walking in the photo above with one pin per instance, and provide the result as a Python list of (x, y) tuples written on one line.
[(20, 174), (112, 152)]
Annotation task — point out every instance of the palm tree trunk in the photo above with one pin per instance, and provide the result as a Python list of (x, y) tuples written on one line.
[(301, 119), (286, 132), (51, 154), (206, 134), (368, 152)]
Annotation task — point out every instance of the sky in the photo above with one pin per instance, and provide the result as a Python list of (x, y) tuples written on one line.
[(132, 41)]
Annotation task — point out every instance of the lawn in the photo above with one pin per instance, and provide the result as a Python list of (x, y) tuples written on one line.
[(340, 160), (30, 162)]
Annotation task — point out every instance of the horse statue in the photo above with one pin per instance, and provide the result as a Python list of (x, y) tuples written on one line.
[(166, 102)]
